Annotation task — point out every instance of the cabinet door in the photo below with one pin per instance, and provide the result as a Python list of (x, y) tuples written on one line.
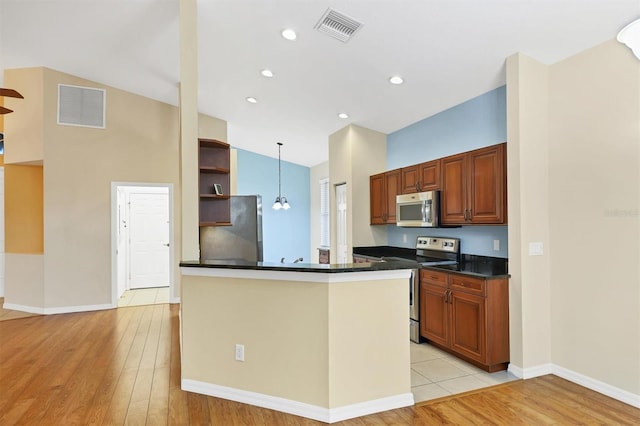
[(453, 198), (377, 199), (487, 188), (410, 180), (468, 325), (393, 182), (434, 315), (429, 176)]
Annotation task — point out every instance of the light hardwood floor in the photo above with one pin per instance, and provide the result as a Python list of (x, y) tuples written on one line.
[(122, 366)]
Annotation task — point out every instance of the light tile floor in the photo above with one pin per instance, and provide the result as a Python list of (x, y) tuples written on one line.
[(435, 373), (144, 296)]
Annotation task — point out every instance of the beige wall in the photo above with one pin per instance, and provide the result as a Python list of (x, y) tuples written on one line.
[(139, 144), (594, 155), (579, 303), (355, 153), (27, 121)]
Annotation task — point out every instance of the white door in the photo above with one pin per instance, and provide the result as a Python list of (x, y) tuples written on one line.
[(1, 231), (341, 224), (148, 240)]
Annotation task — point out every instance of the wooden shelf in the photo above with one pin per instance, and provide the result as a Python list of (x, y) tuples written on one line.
[(215, 223), (215, 196), (213, 143), (214, 170)]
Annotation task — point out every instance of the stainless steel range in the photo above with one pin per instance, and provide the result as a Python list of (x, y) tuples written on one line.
[(430, 251)]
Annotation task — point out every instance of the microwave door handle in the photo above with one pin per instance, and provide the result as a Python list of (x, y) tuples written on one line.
[(427, 212)]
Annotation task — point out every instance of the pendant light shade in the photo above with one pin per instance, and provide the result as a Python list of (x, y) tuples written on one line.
[(281, 202), (630, 36)]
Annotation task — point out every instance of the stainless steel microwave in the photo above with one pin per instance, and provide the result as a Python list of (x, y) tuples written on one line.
[(420, 209)]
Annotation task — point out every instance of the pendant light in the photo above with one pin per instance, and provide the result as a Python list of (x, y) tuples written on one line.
[(630, 35), (281, 202)]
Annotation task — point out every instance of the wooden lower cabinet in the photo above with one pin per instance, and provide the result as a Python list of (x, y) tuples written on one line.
[(466, 316)]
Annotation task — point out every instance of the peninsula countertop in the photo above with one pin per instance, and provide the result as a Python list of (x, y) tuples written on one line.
[(297, 267)]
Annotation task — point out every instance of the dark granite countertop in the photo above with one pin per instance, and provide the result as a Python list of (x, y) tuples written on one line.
[(474, 265), (297, 267)]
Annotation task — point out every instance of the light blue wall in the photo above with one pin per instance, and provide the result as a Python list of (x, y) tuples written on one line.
[(285, 233), (479, 122)]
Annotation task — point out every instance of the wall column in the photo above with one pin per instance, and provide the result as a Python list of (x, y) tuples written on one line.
[(189, 128)]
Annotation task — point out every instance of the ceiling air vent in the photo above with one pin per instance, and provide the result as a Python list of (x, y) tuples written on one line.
[(81, 106), (338, 25)]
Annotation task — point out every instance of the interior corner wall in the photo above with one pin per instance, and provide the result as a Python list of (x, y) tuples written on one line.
[(355, 153), (528, 194), (594, 171)]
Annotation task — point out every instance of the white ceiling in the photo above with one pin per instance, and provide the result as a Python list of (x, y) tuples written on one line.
[(448, 51)]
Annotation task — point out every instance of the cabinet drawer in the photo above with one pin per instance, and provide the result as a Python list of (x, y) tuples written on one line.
[(428, 276), (468, 284)]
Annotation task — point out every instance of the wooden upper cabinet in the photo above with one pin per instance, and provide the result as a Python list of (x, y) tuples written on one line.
[(377, 199), (453, 195), (421, 177), (488, 185), (393, 181), (474, 187), (383, 189)]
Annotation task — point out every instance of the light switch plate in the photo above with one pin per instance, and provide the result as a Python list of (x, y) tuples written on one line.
[(496, 245), (535, 249)]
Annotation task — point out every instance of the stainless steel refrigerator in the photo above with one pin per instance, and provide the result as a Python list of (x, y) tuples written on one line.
[(240, 241)]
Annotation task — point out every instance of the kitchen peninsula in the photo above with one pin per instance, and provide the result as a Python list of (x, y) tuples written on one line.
[(328, 342)]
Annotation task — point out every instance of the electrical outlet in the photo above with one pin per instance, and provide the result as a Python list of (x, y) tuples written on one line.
[(496, 245), (404, 238), (239, 352)]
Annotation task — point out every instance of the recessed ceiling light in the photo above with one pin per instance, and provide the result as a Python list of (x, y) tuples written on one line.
[(396, 79), (252, 100), (267, 73), (289, 34), (343, 115)]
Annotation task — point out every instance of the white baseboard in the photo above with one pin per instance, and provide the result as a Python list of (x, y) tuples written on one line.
[(327, 415), (23, 308), (577, 378), (598, 386), (174, 300), (57, 310)]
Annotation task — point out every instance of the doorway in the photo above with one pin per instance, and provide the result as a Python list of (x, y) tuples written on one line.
[(142, 240), (341, 224)]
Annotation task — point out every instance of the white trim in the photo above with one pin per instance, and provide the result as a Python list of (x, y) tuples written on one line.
[(174, 300), (283, 275), (577, 378), (327, 415), (57, 310), (598, 386), (530, 372), (114, 234)]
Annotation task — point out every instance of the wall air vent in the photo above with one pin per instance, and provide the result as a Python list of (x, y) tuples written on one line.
[(338, 25), (81, 106)]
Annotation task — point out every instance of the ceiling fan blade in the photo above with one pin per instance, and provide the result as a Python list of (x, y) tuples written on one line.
[(10, 93), (4, 110)]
